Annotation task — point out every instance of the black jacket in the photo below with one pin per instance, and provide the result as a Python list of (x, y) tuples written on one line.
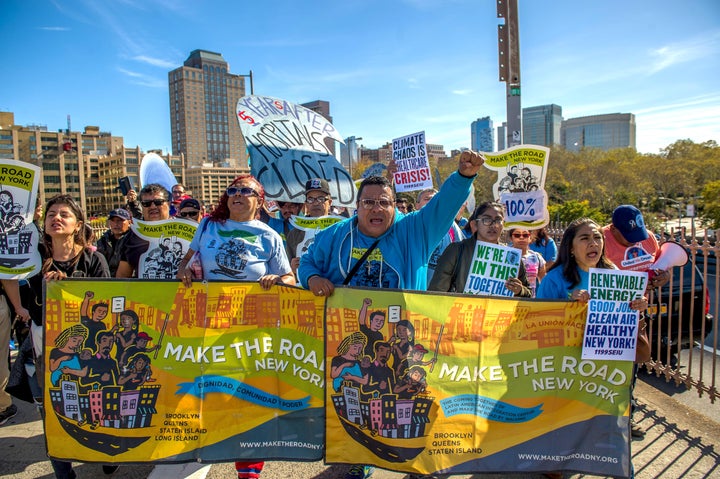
[(452, 269)]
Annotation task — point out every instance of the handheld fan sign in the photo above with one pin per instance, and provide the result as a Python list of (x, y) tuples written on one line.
[(153, 169)]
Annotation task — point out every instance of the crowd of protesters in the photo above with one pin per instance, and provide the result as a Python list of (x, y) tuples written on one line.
[(427, 245)]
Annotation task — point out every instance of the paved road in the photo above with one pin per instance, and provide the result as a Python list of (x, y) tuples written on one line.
[(680, 443)]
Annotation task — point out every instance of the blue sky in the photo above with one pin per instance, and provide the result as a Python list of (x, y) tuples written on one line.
[(387, 67)]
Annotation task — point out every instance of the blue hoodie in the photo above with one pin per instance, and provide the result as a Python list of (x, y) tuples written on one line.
[(406, 246)]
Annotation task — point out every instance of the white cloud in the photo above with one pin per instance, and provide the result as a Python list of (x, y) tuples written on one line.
[(156, 62), (143, 80), (54, 29), (462, 92), (682, 52)]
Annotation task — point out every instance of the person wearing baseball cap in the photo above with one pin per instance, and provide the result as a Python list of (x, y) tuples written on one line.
[(112, 242), (317, 203), (190, 209), (630, 246)]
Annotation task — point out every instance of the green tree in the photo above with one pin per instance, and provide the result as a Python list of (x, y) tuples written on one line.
[(711, 200), (572, 210)]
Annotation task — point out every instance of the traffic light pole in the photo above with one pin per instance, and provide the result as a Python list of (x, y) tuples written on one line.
[(509, 63)]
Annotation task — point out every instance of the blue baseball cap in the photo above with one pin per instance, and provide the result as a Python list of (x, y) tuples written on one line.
[(629, 222)]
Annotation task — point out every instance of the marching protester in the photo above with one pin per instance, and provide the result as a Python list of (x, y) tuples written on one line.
[(224, 234), (112, 242), (155, 201), (583, 247), (281, 225), (630, 246), (317, 203), (65, 255), (380, 247), (533, 262), (453, 267), (453, 235), (190, 209), (543, 243)]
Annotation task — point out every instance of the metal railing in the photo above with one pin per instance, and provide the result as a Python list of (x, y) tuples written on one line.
[(683, 317)]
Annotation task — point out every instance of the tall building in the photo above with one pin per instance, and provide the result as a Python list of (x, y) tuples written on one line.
[(481, 135), (502, 136), (322, 108), (541, 125), (209, 182), (203, 102), (605, 132), (436, 151)]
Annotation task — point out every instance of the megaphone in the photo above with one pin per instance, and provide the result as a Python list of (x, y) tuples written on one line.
[(671, 254)]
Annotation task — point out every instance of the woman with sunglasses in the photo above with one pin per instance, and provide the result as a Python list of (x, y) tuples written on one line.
[(65, 254), (534, 263), (235, 245), (453, 267)]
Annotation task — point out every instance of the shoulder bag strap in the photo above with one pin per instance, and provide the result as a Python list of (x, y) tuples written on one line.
[(360, 262)]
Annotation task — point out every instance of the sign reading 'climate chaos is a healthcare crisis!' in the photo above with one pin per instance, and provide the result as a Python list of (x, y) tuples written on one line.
[(411, 162)]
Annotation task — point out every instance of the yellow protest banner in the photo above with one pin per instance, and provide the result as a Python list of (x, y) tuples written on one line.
[(458, 384), (217, 372)]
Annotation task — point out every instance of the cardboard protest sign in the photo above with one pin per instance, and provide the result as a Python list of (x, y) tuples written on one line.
[(287, 147), (411, 161), (491, 267), (169, 241), (612, 327), (19, 256), (311, 225), (521, 184), (463, 384), (218, 372)]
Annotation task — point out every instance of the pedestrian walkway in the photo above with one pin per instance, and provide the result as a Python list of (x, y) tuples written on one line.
[(679, 443)]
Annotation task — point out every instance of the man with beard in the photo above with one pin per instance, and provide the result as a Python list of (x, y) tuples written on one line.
[(382, 376), (103, 368)]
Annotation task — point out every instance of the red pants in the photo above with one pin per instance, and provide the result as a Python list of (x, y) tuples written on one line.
[(248, 470)]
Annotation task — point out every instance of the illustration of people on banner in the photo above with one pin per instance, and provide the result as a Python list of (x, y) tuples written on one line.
[(287, 146), (520, 184), (19, 237)]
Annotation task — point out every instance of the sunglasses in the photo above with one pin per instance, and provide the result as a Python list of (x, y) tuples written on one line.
[(156, 202), (521, 235), (244, 191), (188, 214), (369, 204)]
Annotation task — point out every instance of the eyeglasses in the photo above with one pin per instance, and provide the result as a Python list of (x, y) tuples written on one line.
[(489, 221), (188, 214), (521, 235), (320, 199), (178, 192), (156, 202), (244, 191), (369, 204)]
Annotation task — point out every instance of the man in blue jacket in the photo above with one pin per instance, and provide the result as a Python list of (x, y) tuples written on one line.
[(392, 249), (401, 244)]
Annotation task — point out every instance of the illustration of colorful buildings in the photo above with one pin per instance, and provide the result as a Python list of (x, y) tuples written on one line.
[(109, 406)]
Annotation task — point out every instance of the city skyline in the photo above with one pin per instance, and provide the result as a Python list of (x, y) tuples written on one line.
[(433, 68)]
